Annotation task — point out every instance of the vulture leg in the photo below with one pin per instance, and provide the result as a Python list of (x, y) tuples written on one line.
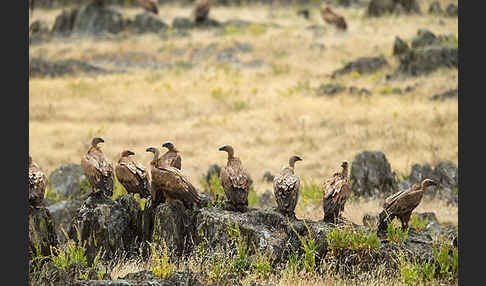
[(404, 220)]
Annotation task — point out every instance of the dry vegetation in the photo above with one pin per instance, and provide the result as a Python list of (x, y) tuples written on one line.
[(266, 113)]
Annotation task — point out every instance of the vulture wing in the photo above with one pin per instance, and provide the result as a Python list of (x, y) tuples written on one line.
[(286, 188), (177, 186)]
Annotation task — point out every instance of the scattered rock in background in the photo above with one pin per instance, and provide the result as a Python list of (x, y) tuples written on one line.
[(452, 10), (400, 47), (450, 94), (40, 67), (268, 177), (304, 13), (147, 22), (362, 66), (378, 8), (329, 89), (62, 214), (435, 8), (65, 182), (42, 234), (371, 175), (267, 200)]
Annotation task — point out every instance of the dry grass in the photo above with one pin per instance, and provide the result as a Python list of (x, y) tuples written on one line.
[(259, 111)]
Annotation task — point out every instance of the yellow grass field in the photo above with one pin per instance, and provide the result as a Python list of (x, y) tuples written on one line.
[(267, 113)]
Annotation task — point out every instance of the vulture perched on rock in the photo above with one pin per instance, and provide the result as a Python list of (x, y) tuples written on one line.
[(132, 176), (37, 184), (170, 183), (201, 10), (286, 187), (149, 5), (236, 181), (171, 157), (332, 18), (402, 203), (98, 168), (336, 191)]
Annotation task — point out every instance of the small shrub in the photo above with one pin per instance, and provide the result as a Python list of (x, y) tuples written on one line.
[(261, 264), (417, 223), (161, 266), (396, 234), (309, 246), (447, 259)]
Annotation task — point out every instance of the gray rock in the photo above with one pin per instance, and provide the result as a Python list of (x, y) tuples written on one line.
[(62, 214), (66, 181), (428, 59), (40, 67), (214, 169), (450, 94), (147, 22), (423, 38), (435, 8), (378, 8), (371, 175), (267, 200), (357, 91), (362, 66), (42, 234), (265, 229), (64, 23), (329, 89), (452, 10), (39, 27), (400, 46), (113, 225), (97, 20), (182, 23), (304, 13)]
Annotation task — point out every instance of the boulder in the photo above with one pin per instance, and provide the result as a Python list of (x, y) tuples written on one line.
[(371, 219), (450, 94), (40, 67), (378, 8), (174, 225), (400, 47), (67, 180), (147, 22), (452, 10), (113, 225), (62, 214), (268, 177), (214, 169), (329, 89), (258, 229), (428, 59), (182, 23), (42, 234), (371, 175), (64, 23), (362, 66), (435, 8)]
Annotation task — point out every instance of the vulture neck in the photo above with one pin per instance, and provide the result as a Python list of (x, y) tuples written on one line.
[(344, 171), (156, 156)]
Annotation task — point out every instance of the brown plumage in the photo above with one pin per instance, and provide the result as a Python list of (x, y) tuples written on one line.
[(155, 190), (332, 18), (201, 10), (31, 7), (37, 184), (132, 176), (336, 191), (171, 157), (98, 168), (149, 6), (235, 179), (286, 187), (402, 203), (171, 183)]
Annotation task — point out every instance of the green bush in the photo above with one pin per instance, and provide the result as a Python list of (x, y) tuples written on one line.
[(396, 234)]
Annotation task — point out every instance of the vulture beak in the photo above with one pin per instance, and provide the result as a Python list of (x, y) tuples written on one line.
[(148, 149), (222, 148), (343, 164), (298, 158), (130, 153), (101, 140)]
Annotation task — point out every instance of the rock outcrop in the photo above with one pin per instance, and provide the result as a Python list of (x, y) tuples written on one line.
[(378, 8), (371, 175), (42, 234), (362, 66)]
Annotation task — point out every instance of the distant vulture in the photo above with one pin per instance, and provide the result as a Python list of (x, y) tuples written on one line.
[(336, 191), (31, 7), (201, 10), (286, 188), (37, 184), (98, 168), (149, 5), (155, 189), (332, 18), (236, 181), (402, 203), (132, 175), (171, 183), (171, 157)]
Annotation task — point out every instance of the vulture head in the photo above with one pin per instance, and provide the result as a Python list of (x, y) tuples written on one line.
[(155, 151), (126, 153), (96, 141), (428, 182), (294, 159), (228, 149), (169, 145)]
